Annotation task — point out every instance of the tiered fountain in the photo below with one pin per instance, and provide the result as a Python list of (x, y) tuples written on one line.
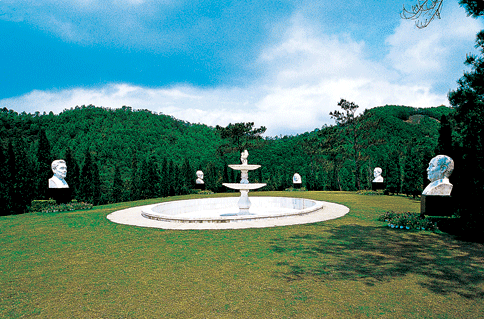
[(244, 186), (222, 213)]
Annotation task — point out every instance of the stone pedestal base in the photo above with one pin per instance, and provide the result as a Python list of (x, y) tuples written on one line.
[(376, 186), (60, 195), (200, 186), (436, 205), (296, 185)]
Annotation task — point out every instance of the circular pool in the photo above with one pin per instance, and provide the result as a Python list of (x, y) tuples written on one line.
[(219, 213)]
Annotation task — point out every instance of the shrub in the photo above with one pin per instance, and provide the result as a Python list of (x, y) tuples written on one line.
[(407, 219), (50, 206), (370, 192)]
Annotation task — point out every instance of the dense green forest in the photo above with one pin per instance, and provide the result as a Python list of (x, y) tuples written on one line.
[(124, 154)]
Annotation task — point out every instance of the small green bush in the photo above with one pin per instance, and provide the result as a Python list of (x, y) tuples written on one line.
[(407, 219), (50, 206), (292, 189), (201, 191), (40, 205), (370, 192)]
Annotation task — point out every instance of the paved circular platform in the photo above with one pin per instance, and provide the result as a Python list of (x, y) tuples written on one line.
[(133, 216)]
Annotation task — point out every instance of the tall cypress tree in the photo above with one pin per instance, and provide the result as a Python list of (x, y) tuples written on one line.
[(393, 175), (117, 187), (444, 145), (134, 189), (23, 191), (4, 183), (164, 188), (188, 176), (86, 179), (96, 184), (72, 172), (43, 168), (145, 191), (412, 178), (12, 175)]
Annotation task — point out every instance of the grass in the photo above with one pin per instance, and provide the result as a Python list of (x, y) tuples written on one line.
[(80, 265)]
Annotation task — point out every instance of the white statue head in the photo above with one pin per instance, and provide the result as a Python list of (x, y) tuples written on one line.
[(199, 177), (438, 172), (296, 178), (377, 171), (59, 168), (377, 174), (441, 166)]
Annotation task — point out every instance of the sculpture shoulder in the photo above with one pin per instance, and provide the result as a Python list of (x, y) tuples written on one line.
[(440, 189), (55, 182)]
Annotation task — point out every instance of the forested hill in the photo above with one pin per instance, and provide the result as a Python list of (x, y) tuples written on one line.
[(113, 136), (126, 144)]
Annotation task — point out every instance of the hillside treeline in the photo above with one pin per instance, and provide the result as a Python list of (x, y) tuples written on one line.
[(125, 154)]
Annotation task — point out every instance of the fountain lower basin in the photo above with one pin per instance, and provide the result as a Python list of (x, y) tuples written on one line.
[(224, 210)]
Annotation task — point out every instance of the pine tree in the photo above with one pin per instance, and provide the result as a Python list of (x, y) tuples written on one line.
[(392, 175), (86, 179), (43, 167), (23, 191), (164, 188), (412, 174), (444, 145), (4, 183), (133, 184), (72, 178), (96, 184), (12, 175), (117, 187)]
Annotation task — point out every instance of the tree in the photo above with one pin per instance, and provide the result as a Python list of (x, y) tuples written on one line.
[(23, 189), (424, 11), (444, 144), (357, 133), (240, 136), (72, 172), (87, 179), (4, 183), (44, 160), (412, 173), (392, 173), (468, 99), (117, 188)]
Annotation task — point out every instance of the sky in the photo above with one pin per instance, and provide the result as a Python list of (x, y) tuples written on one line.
[(280, 64)]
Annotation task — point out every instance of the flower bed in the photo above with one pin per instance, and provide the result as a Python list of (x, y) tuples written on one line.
[(50, 206), (407, 220)]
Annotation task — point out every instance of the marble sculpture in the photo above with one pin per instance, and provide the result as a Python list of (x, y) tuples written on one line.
[(59, 168), (438, 172), (377, 174)]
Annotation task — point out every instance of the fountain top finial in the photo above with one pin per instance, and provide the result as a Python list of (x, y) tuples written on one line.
[(243, 157)]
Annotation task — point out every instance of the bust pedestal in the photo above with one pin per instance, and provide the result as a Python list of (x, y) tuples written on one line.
[(436, 205), (60, 195), (200, 186), (377, 185), (296, 185)]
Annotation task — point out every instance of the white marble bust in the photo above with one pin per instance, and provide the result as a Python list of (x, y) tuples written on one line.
[(243, 157), (377, 174), (59, 168), (438, 172), (296, 179), (199, 178)]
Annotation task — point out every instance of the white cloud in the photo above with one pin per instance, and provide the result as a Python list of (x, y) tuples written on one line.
[(433, 55), (305, 73)]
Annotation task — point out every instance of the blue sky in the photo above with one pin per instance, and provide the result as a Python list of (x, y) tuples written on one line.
[(281, 64)]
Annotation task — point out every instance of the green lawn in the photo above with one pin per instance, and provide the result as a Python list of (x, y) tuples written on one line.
[(80, 265)]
